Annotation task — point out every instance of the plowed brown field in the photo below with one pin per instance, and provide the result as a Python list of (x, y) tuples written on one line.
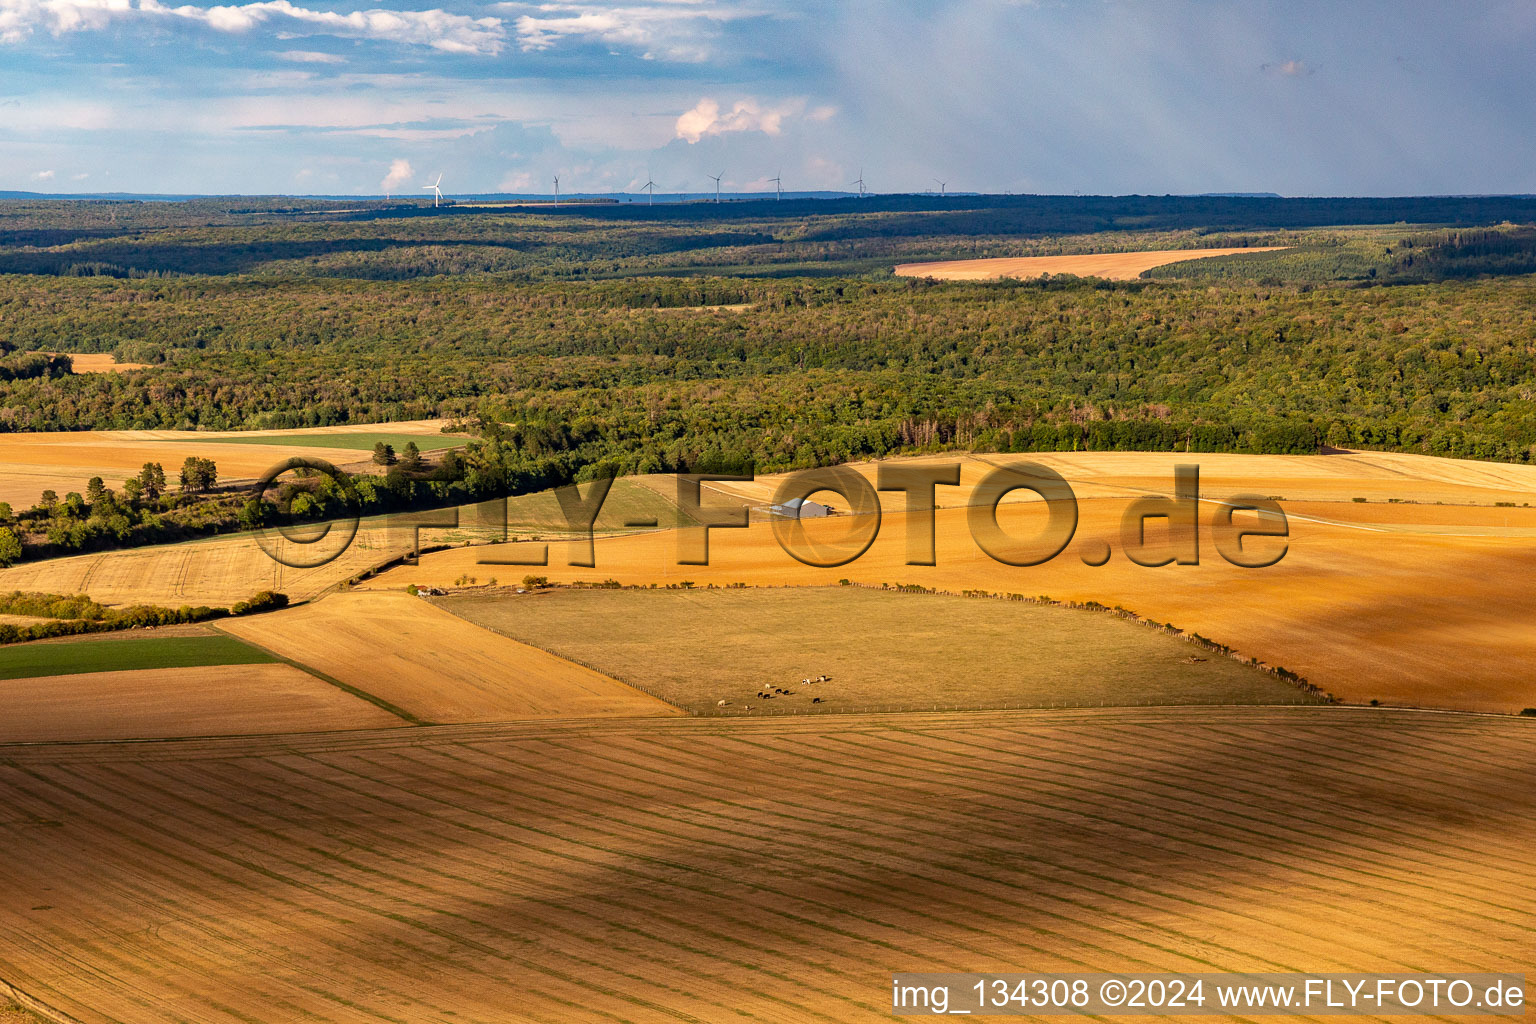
[(158, 703), (766, 871), (1116, 266)]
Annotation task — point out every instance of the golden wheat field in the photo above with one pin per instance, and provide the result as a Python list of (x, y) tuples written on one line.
[(100, 362), (435, 667), (62, 461), (736, 870), (1115, 266), (1419, 604)]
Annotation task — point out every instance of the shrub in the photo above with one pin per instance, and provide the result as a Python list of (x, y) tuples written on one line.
[(266, 601), (1531, 712)]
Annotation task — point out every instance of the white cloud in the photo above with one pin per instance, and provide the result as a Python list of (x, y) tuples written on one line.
[(400, 172), (679, 31), (748, 115), (19, 17), (43, 176), (438, 29), (309, 57), (1288, 68)]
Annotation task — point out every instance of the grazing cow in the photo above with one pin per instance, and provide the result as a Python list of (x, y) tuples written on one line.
[(722, 703), (823, 678), (815, 700)]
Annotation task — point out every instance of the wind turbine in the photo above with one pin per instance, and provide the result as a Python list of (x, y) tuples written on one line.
[(717, 178), (557, 190), (942, 186), (437, 193), (778, 186), (650, 186), (859, 181)]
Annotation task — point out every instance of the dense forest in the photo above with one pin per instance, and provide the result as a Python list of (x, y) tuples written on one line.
[(819, 370), (400, 240), (1416, 338)]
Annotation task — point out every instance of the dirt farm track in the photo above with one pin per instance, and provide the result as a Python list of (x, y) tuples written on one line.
[(693, 870)]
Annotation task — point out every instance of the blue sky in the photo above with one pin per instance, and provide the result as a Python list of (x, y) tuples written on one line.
[(1340, 97)]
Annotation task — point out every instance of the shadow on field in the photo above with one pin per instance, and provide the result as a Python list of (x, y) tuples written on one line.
[(650, 870)]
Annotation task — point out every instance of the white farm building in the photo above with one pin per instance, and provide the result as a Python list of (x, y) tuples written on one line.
[(799, 508)]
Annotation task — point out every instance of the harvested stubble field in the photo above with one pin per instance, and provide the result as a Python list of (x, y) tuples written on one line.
[(222, 570), (62, 461), (217, 572), (754, 870), (1419, 604), (884, 651), (101, 362), (1115, 266), (1374, 600), (434, 667), (643, 502)]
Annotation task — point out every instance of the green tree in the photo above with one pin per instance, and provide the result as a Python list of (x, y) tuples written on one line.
[(94, 488), (410, 458), (10, 548), (5, 511), (384, 454), (48, 499), (133, 490), (198, 475), (152, 479)]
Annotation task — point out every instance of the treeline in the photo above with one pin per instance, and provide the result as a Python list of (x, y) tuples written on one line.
[(27, 365), (76, 614)]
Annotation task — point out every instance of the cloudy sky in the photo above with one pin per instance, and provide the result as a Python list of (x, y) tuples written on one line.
[(1301, 97)]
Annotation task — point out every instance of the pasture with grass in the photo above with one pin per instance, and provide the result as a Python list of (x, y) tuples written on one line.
[(883, 650)]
